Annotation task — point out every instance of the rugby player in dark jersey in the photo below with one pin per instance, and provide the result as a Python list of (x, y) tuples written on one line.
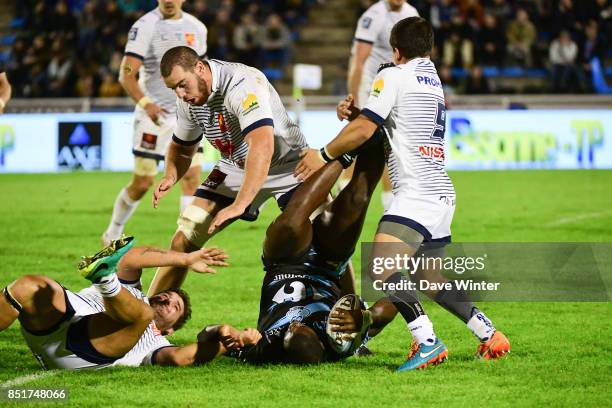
[(304, 262)]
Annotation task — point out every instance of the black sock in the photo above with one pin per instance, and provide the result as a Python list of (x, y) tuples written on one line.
[(404, 300), (457, 301)]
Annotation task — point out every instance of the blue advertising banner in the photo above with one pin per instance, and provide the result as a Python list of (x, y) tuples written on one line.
[(475, 140)]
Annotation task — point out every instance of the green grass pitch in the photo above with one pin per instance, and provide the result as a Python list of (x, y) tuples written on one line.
[(561, 352)]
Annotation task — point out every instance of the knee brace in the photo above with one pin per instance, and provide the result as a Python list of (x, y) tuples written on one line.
[(194, 223)]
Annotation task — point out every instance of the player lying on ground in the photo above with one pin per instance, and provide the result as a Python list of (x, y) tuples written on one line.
[(407, 102), (112, 322), (304, 261)]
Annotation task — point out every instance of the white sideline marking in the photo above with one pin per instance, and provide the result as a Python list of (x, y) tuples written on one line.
[(580, 217), (26, 379)]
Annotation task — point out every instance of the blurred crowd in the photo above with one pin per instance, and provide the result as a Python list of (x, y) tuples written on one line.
[(556, 38), (75, 47)]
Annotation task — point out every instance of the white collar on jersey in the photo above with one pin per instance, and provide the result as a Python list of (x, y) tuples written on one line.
[(214, 74)]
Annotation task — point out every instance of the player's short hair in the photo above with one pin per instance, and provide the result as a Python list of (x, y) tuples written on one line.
[(302, 346), (413, 37), (183, 56), (186, 310)]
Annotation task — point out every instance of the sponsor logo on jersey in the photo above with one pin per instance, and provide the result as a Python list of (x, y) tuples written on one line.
[(377, 87), (366, 22), (427, 80), (190, 39), (214, 179), (222, 122), (133, 33), (250, 103), (433, 152), (297, 313), (149, 141)]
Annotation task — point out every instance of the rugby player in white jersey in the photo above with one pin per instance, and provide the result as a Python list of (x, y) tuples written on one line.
[(239, 112), (408, 103), (112, 322), (370, 49), (155, 114)]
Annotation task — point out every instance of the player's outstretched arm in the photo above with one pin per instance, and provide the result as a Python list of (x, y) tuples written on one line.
[(213, 341), (256, 168), (201, 261), (350, 138)]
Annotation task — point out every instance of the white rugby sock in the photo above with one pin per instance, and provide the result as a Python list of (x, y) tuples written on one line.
[(422, 330), (108, 286), (185, 201), (481, 326), (386, 198), (122, 211)]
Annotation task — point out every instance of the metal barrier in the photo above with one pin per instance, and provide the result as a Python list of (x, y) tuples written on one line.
[(326, 102)]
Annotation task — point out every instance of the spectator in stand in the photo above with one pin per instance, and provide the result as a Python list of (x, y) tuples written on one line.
[(566, 17), (476, 83), (89, 25), (491, 43), (521, 35), (472, 12), (110, 87), (592, 46), (221, 36), (201, 10), (563, 54), (501, 10), (449, 84), (458, 48), (59, 71), (85, 87), (442, 13), (246, 40), (62, 21), (275, 42)]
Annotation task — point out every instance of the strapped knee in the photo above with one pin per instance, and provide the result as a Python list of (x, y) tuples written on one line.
[(194, 223)]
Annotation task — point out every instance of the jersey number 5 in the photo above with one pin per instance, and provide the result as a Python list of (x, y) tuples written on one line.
[(440, 122)]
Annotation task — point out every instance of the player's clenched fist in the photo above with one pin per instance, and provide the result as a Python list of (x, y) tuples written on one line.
[(162, 189)]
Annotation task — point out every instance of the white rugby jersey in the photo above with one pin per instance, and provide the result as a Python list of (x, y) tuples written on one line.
[(150, 37), (150, 341), (409, 102), (242, 100), (374, 27)]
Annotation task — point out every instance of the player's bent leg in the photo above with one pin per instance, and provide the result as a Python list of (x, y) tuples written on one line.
[(39, 303), (139, 186), (337, 230), (116, 331), (191, 235), (290, 234), (458, 302), (191, 180)]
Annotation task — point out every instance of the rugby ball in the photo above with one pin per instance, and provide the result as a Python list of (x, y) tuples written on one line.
[(343, 342)]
